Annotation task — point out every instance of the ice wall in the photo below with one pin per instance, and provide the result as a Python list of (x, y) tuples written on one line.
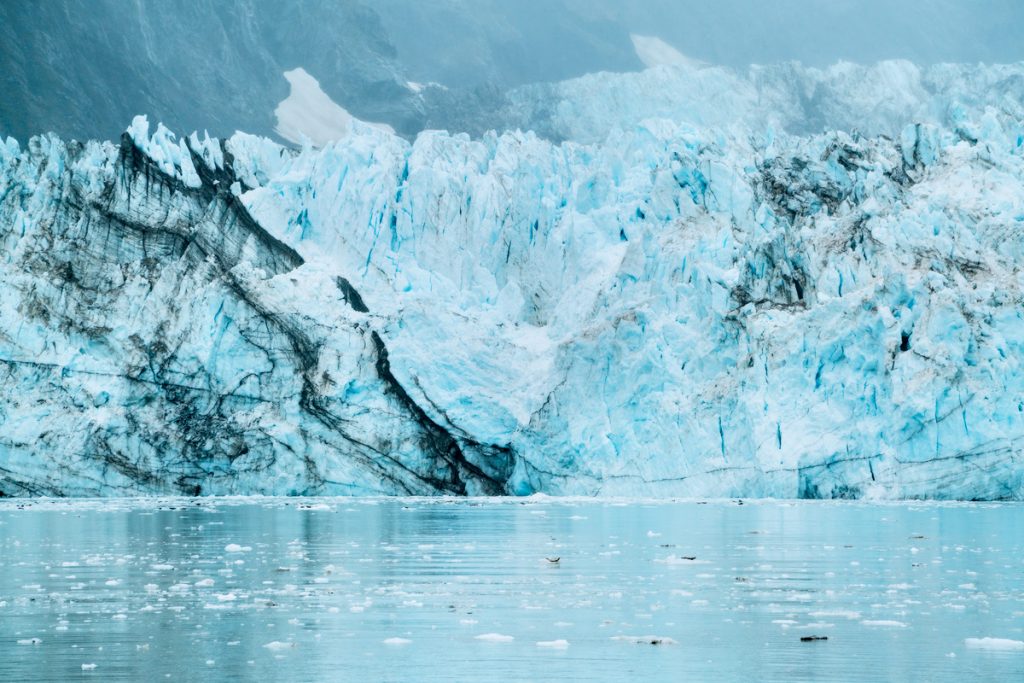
[(684, 307)]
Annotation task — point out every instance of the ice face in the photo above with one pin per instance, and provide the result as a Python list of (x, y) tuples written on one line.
[(681, 307)]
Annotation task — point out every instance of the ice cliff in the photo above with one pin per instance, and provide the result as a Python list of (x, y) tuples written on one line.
[(684, 286)]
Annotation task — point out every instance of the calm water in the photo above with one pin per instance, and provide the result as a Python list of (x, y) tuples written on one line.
[(401, 590)]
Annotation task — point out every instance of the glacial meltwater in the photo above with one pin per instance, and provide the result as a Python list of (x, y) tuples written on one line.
[(510, 590)]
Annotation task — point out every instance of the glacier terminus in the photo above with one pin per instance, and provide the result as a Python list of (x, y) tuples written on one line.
[(800, 283)]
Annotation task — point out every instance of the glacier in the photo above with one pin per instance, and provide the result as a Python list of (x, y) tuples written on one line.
[(688, 281)]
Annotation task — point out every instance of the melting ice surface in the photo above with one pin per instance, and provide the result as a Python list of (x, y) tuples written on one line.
[(418, 589)]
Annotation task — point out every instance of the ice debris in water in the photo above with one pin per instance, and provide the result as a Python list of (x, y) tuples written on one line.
[(645, 640), (559, 644), (989, 643)]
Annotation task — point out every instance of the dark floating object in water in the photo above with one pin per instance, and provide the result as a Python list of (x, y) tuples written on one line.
[(688, 557), (811, 639), (553, 560)]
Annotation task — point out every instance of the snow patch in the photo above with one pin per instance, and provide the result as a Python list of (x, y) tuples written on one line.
[(309, 115), (654, 51)]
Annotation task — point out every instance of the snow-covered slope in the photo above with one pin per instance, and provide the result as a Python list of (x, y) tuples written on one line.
[(723, 306)]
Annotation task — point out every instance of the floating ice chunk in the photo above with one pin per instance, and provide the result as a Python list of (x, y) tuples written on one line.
[(397, 641), (989, 643), (848, 614), (684, 559), (204, 583), (235, 548), (279, 645), (645, 640), (88, 667), (30, 641), (495, 638), (559, 644), (883, 623)]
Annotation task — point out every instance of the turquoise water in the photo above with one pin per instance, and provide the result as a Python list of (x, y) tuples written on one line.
[(401, 590)]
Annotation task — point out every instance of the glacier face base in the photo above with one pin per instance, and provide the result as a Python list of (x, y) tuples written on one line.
[(673, 309)]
